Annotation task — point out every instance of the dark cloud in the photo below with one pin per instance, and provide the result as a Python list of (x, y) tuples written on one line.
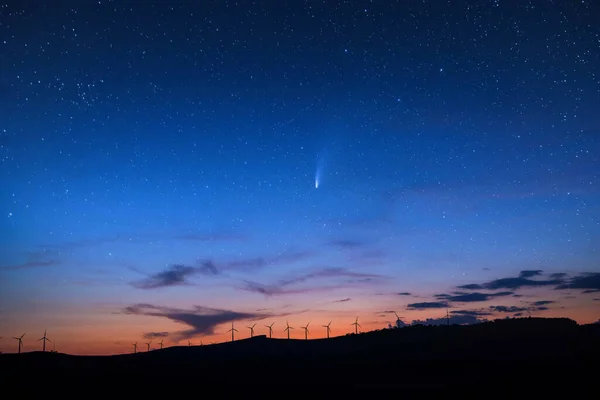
[(515, 283), (460, 297), (542, 302), (530, 273), (590, 291), (508, 309), (475, 313), (155, 335), (175, 275), (558, 275), (595, 299), (454, 320), (471, 286), (590, 281), (200, 320), (428, 304), (404, 294), (541, 308), (286, 286), (343, 300)]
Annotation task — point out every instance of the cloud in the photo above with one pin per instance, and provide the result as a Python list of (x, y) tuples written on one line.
[(475, 313), (589, 281), (509, 309), (262, 262), (542, 302), (590, 291), (200, 320), (454, 320), (347, 244), (286, 286), (210, 237), (404, 294), (514, 283), (530, 273), (427, 305), (30, 264), (178, 274), (343, 300), (155, 335), (558, 275), (471, 297), (175, 275)]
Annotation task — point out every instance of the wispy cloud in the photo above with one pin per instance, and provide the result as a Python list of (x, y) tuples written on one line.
[(30, 264), (461, 297), (200, 320), (404, 294), (179, 275), (348, 244), (343, 300), (286, 286)]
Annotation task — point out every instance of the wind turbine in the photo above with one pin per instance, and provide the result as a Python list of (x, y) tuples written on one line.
[(270, 329), (189, 343), (328, 328), (20, 339), (148, 344), (134, 347), (44, 338), (288, 327), (232, 330), (306, 331), (356, 326), (251, 330), (398, 320), (161, 343)]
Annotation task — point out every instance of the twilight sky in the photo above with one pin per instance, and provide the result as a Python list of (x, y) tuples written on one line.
[(167, 170)]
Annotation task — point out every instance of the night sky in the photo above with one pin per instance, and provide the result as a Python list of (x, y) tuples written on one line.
[(167, 170)]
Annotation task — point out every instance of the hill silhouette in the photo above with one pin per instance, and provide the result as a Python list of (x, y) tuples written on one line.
[(502, 352)]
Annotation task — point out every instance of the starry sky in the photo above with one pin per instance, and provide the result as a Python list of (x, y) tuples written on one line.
[(169, 169)]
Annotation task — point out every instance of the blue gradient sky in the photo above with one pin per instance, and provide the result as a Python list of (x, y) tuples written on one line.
[(158, 167)]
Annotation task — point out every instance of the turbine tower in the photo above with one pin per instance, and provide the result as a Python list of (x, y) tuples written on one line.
[(148, 344), (232, 330), (251, 330), (20, 339), (356, 326), (161, 343), (189, 343), (134, 347), (328, 328), (270, 329), (288, 327), (44, 338), (306, 331)]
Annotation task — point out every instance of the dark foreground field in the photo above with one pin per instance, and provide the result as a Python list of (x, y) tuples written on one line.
[(516, 353)]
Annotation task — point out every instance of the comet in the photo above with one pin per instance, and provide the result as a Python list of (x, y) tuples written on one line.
[(318, 172)]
